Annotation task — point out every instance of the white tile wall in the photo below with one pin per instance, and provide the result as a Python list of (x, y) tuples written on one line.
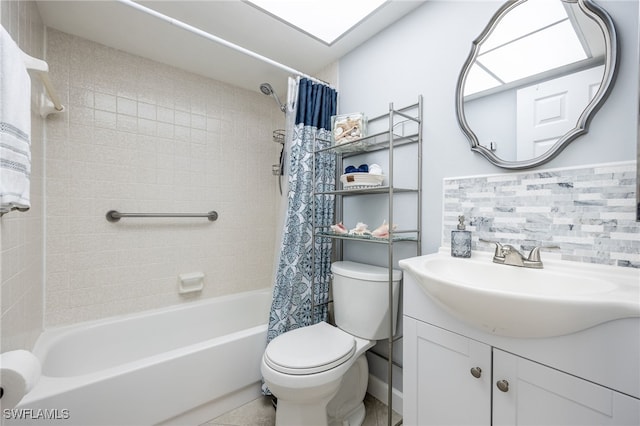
[(21, 234), (141, 136)]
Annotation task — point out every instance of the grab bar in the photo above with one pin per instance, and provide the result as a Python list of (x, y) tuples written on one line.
[(114, 215)]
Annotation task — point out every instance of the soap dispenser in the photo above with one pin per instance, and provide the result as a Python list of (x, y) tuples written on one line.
[(461, 240)]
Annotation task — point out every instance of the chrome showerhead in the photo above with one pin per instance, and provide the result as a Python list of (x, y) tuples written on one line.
[(268, 90)]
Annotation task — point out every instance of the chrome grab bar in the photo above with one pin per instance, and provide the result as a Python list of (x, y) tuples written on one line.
[(114, 215)]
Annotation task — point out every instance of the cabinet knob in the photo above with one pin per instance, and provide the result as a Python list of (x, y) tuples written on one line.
[(503, 385), (476, 372)]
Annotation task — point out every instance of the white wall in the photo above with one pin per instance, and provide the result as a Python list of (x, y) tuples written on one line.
[(140, 136), (423, 54)]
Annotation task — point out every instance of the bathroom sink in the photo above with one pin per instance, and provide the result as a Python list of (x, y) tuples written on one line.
[(563, 298)]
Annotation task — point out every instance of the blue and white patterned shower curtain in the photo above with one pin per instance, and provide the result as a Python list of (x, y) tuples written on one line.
[(298, 277)]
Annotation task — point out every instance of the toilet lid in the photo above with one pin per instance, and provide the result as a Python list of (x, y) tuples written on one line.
[(308, 350)]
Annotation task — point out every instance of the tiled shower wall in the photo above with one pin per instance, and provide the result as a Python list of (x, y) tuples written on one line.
[(586, 213), (140, 136), (21, 234)]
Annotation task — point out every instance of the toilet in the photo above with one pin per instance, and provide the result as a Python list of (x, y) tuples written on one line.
[(320, 373)]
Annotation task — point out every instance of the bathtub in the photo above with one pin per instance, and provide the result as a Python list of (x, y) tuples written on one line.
[(180, 365)]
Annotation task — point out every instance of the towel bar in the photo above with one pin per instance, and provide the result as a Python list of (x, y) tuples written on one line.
[(114, 215), (45, 106)]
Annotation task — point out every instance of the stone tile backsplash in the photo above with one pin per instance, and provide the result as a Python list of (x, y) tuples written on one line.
[(585, 214)]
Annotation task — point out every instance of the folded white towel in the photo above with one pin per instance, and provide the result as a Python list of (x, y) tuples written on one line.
[(15, 127)]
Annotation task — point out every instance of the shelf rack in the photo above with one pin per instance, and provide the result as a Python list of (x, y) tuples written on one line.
[(389, 140)]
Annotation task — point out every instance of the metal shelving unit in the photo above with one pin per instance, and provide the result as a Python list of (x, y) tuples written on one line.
[(394, 136)]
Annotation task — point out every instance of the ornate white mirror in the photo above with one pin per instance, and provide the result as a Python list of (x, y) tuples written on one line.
[(535, 78)]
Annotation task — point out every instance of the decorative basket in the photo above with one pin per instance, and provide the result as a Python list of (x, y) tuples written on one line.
[(361, 180)]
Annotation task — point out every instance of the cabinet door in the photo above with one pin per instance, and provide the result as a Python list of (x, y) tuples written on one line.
[(534, 394), (439, 387)]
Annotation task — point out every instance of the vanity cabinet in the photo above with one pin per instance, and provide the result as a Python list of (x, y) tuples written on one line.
[(454, 375), (451, 379)]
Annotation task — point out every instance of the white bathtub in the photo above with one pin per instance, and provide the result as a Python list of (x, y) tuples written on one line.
[(178, 365)]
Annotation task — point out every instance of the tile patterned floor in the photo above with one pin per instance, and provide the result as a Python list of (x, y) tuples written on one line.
[(260, 412)]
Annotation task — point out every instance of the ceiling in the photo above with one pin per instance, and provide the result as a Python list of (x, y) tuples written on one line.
[(120, 26)]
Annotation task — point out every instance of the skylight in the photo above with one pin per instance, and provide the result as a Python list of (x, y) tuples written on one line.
[(326, 20), (534, 37)]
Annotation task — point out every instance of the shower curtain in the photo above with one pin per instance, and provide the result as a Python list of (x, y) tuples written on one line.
[(299, 274)]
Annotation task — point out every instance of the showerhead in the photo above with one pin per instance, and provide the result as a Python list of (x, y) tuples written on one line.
[(268, 90)]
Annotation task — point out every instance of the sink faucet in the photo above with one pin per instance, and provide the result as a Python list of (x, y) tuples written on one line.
[(509, 255)]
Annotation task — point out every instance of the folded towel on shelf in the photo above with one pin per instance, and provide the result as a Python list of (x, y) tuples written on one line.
[(352, 169), (15, 127)]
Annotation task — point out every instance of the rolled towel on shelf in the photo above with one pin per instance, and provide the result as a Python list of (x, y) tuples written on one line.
[(19, 372), (375, 169)]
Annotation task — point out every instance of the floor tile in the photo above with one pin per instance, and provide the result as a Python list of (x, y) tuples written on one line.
[(260, 412), (377, 413)]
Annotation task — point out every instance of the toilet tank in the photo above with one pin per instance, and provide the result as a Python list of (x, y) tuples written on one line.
[(361, 299)]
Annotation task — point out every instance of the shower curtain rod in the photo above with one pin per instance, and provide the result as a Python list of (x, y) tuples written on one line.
[(216, 39)]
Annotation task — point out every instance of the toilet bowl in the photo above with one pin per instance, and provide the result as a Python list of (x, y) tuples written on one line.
[(304, 369), (319, 373)]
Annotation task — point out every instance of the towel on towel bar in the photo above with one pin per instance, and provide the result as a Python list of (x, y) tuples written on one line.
[(15, 127)]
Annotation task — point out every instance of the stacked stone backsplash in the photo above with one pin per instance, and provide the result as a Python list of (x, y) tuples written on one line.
[(585, 214)]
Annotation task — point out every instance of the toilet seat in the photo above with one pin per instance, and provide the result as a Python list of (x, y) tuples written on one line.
[(308, 350)]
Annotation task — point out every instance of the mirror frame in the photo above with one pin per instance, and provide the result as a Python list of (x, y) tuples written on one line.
[(605, 23)]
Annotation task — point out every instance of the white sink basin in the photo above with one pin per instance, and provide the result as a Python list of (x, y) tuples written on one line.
[(563, 298)]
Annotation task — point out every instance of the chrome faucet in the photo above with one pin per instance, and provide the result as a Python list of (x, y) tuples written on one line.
[(509, 255)]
